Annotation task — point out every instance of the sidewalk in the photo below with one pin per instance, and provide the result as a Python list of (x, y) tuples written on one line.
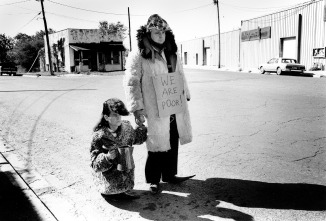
[(25, 194), (18, 201), (315, 74), (66, 74)]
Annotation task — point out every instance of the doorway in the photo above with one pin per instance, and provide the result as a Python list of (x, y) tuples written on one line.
[(288, 48), (207, 56)]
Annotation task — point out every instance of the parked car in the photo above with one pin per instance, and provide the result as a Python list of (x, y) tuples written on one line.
[(280, 65), (9, 68)]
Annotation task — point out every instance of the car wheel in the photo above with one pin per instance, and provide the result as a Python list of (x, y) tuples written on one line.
[(279, 71), (262, 71)]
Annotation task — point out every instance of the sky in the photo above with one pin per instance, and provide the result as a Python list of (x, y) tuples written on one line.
[(189, 19)]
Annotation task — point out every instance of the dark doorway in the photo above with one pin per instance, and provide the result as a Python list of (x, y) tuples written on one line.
[(93, 61)]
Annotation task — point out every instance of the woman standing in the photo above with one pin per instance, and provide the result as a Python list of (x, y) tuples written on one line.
[(157, 56)]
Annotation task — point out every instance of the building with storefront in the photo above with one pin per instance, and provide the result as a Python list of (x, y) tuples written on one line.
[(83, 50), (298, 32)]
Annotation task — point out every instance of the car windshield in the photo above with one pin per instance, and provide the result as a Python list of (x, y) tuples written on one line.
[(293, 61)]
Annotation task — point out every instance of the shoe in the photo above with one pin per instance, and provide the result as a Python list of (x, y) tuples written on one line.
[(122, 196), (131, 194), (176, 180), (154, 188)]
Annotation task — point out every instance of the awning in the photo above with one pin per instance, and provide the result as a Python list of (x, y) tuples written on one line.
[(77, 48)]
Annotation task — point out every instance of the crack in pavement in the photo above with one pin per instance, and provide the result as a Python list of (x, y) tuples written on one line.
[(316, 153)]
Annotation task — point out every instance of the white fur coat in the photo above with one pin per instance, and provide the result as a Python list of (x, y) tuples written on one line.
[(140, 94)]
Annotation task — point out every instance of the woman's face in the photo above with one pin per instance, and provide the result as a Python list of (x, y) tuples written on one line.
[(114, 119), (158, 36)]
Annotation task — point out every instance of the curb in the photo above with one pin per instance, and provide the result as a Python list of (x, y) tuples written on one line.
[(35, 189), (66, 74), (316, 74), (19, 183)]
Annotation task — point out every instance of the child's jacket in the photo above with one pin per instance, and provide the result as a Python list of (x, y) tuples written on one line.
[(107, 178)]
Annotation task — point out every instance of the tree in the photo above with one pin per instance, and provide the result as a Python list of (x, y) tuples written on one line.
[(6, 45), (113, 29), (26, 48)]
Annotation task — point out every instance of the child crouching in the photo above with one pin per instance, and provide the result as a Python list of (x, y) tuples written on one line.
[(110, 134)]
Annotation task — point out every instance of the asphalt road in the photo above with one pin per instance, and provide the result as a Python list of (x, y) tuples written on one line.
[(258, 150)]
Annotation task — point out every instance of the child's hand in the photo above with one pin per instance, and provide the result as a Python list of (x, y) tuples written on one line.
[(112, 154), (142, 127)]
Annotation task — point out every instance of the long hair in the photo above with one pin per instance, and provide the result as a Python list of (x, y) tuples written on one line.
[(102, 122), (111, 105)]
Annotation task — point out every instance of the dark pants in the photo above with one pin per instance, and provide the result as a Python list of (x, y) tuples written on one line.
[(164, 164)]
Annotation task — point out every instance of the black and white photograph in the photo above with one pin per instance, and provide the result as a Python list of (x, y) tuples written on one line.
[(152, 110)]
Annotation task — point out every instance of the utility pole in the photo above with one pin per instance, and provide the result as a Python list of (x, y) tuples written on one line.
[(129, 28), (219, 33), (47, 38)]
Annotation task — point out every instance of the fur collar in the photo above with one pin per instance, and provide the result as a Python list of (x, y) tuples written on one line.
[(146, 50), (170, 47)]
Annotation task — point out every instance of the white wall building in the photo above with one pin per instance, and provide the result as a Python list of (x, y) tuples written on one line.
[(84, 50), (299, 33)]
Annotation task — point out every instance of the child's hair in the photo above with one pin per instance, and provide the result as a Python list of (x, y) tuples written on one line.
[(111, 105)]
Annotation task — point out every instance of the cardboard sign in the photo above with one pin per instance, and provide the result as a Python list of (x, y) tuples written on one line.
[(169, 93)]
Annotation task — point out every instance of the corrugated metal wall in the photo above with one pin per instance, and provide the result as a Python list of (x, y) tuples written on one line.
[(192, 47), (250, 54), (230, 47), (285, 24)]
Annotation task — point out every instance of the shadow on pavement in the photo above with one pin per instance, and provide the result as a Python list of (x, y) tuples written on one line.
[(305, 74), (293, 74), (14, 204), (218, 197)]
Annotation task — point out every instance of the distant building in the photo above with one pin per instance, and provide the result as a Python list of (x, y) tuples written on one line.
[(83, 50), (204, 51), (298, 32)]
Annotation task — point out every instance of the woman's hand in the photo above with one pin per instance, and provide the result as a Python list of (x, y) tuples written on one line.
[(139, 117)]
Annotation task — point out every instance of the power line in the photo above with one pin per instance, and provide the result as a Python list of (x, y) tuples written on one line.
[(27, 9), (69, 17), (111, 13), (21, 13), (255, 8), (29, 21), (271, 20), (13, 3), (191, 9), (100, 12)]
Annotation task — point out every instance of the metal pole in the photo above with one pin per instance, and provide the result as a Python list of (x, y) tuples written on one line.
[(38, 53), (47, 38), (129, 28), (219, 35)]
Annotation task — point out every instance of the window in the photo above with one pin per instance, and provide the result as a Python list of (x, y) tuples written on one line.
[(116, 57), (272, 61), (86, 55), (108, 57), (76, 57)]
